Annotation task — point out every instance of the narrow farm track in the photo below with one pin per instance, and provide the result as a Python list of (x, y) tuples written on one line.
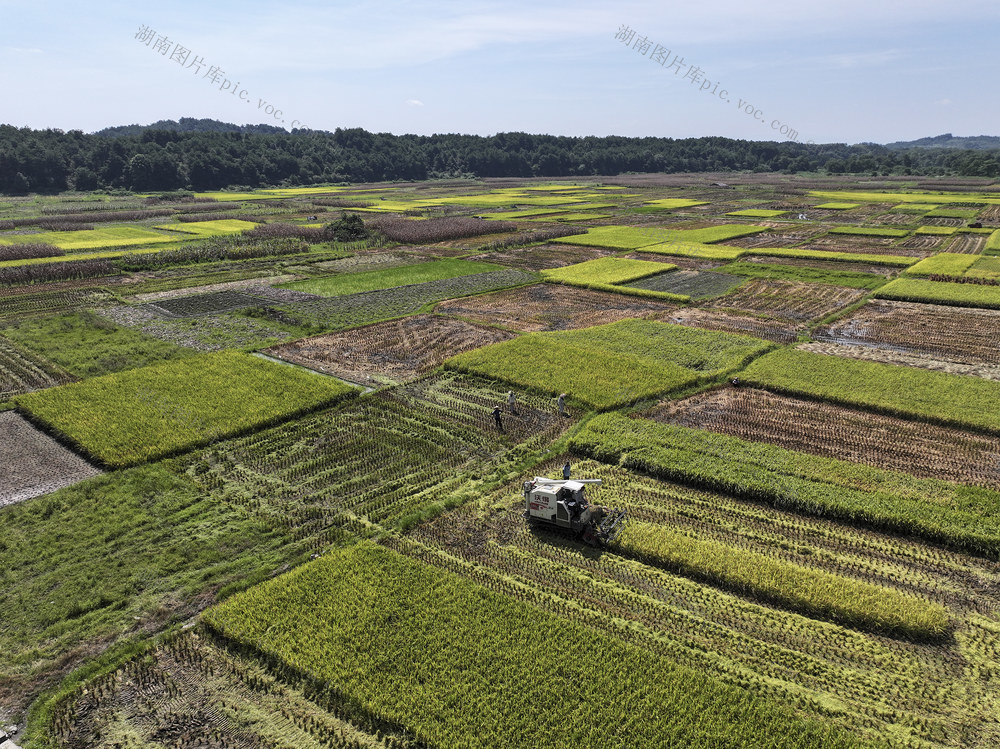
[(837, 432), (935, 694)]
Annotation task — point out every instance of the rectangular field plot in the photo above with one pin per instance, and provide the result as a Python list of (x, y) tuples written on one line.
[(936, 397), (941, 292), (967, 336), (143, 414), (356, 283), (775, 329), (541, 257), (855, 679), (791, 300), (22, 371), (452, 636), (357, 309), (32, 463), (204, 304), (843, 433), (89, 239), (546, 307), (389, 352), (612, 365), (609, 270), (46, 302), (690, 283), (386, 458)]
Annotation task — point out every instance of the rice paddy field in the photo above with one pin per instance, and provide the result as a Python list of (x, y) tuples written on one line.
[(261, 488)]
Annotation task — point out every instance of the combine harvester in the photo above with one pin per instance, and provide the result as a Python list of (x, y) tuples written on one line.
[(557, 503)]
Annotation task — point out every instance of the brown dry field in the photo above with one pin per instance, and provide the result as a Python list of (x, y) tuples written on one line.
[(888, 356), (963, 335), (843, 433), (879, 270), (32, 463), (791, 300), (771, 329), (541, 257), (967, 244), (553, 307), (388, 352)]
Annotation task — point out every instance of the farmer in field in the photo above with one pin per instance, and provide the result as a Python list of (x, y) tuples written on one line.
[(497, 419), (512, 402), (566, 470), (561, 404)]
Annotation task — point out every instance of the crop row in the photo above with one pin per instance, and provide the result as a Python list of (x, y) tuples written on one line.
[(963, 516), (403, 639), (22, 372), (938, 397), (814, 592)]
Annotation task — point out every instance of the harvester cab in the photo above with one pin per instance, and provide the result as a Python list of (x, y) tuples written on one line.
[(561, 504)]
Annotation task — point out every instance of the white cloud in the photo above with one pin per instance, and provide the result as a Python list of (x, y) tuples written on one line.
[(415, 102)]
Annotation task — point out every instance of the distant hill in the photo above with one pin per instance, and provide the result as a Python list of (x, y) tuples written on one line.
[(191, 125), (971, 142)]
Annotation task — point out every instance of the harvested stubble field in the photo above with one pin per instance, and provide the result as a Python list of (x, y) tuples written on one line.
[(387, 458), (212, 332), (390, 352), (970, 244), (837, 432), (545, 256), (779, 330), (542, 307), (204, 304), (892, 356), (847, 267), (21, 371), (872, 684), (351, 310), (966, 336), (194, 691), (46, 302), (791, 300), (692, 283), (32, 463)]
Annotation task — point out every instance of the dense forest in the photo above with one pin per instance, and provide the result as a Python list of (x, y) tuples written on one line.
[(210, 155)]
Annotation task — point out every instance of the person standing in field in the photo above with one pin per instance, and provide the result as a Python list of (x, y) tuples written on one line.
[(566, 471), (512, 402), (561, 404), (497, 419)]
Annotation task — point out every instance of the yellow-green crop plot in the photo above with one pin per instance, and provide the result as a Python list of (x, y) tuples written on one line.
[(606, 270), (837, 206), (91, 239), (210, 228), (844, 257), (936, 230), (143, 414), (698, 250), (83, 256), (527, 213), (757, 213), (670, 203), (908, 197), (581, 216), (944, 264), (914, 207)]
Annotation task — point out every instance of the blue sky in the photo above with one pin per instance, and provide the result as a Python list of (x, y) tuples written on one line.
[(846, 71)]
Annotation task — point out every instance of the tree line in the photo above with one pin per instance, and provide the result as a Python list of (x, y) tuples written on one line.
[(127, 158)]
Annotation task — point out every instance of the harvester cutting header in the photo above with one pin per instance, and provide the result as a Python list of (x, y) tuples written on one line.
[(561, 503)]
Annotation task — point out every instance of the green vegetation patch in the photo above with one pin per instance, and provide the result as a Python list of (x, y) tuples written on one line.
[(89, 239), (355, 283), (937, 231), (870, 231), (632, 238), (88, 345), (757, 213), (606, 270), (813, 592), (940, 292), (808, 275), (993, 244), (697, 250), (932, 198), (612, 365), (459, 665), (671, 203), (956, 400), (944, 263), (846, 257), (964, 213), (143, 414), (113, 554), (210, 228), (963, 516), (985, 267), (914, 207), (838, 206)]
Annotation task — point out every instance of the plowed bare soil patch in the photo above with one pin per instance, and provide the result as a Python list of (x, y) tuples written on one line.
[(967, 336), (843, 433), (551, 307), (32, 463), (389, 352), (542, 257)]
